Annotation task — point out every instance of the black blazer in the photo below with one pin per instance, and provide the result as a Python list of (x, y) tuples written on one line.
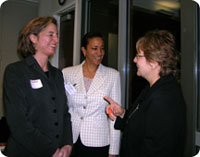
[(155, 125), (37, 112)]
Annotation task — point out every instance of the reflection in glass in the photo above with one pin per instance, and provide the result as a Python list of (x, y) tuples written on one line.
[(143, 18), (103, 18), (66, 40)]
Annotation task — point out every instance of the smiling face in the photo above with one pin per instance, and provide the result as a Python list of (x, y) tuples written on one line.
[(94, 52), (149, 70), (46, 41)]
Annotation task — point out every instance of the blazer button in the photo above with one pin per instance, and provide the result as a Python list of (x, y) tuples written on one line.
[(81, 118), (54, 110), (84, 107), (57, 136), (53, 98), (56, 123)]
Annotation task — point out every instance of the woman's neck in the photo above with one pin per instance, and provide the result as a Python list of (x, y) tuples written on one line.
[(89, 70), (153, 80), (42, 61), (154, 75)]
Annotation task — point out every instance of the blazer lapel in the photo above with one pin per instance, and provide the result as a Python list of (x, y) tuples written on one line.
[(31, 62), (98, 80), (78, 81), (143, 100), (138, 105)]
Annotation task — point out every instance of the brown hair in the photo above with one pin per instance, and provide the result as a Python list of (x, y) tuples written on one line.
[(35, 26), (159, 46)]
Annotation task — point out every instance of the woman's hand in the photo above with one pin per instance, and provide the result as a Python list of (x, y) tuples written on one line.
[(66, 150), (113, 110), (57, 153), (109, 111)]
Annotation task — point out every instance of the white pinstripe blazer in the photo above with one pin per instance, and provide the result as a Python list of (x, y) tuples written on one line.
[(87, 109)]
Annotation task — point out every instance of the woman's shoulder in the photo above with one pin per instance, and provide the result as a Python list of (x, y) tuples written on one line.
[(167, 90), (15, 70), (74, 68), (109, 70), (16, 65)]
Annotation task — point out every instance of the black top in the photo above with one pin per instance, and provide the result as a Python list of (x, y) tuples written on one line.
[(155, 125), (36, 110)]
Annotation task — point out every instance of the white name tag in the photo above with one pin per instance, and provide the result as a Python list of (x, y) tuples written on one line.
[(1, 155), (36, 84), (70, 88)]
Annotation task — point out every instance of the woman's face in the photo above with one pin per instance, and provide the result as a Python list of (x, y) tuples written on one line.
[(95, 51), (46, 41), (143, 66)]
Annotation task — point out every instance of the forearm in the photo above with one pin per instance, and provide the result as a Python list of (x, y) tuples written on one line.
[(67, 140)]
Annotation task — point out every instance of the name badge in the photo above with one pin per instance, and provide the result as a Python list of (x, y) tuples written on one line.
[(36, 84), (70, 88)]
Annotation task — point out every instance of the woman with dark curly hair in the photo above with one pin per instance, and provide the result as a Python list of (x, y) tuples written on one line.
[(154, 126)]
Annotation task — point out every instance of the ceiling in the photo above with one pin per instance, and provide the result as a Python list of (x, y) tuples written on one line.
[(170, 7), (33, 1)]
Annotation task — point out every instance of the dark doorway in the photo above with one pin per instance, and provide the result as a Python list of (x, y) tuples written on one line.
[(142, 21), (66, 40), (102, 16)]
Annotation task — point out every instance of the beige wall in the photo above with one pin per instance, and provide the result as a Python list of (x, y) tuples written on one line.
[(50, 7), (13, 15)]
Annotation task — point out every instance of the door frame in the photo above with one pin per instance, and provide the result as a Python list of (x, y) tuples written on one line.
[(75, 6)]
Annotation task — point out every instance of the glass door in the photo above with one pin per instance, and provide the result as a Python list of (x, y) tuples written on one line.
[(102, 16), (143, 18), (66, 39)]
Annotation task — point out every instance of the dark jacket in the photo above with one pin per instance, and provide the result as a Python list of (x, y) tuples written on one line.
[(36, 110), (155, 125)]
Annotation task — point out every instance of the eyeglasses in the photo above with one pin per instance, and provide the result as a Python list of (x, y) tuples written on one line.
[(139, 56)]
